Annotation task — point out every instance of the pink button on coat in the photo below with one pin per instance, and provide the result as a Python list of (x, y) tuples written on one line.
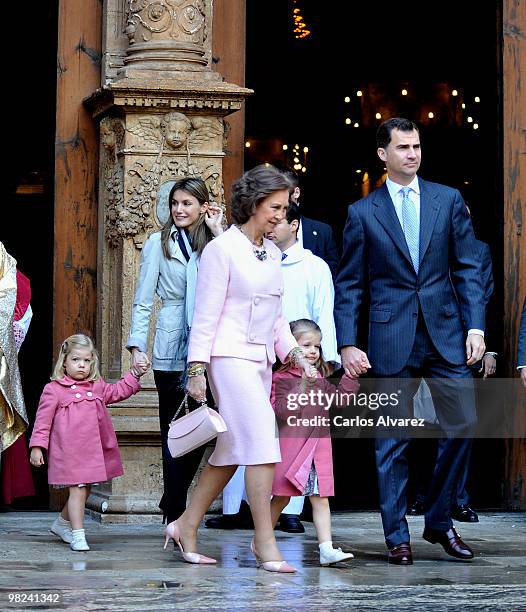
[(301, 446), (74, 425)]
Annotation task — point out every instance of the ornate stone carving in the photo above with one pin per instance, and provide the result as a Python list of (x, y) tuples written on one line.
[(147, 18), (175, 131), (111, 138), (175, 128), (215, 101), (131, 194), (124, 217), (168, 31), (142, 194), (190, 102)]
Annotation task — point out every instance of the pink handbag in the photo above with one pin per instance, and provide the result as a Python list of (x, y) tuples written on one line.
[(193, 429)]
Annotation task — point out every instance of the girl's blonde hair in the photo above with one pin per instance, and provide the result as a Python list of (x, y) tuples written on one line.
[(302, 326), (75, 341)]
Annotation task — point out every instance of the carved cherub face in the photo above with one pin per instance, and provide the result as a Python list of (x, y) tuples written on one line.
[(176, 129)]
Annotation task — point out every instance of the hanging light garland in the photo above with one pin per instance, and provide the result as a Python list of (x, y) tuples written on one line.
[(470, 107), (299, 27), (296, 157)]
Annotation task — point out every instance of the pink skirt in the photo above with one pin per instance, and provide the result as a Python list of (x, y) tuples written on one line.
[(241, 389)]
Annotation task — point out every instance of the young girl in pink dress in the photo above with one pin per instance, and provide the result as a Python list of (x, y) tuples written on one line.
[(74, 426), (306, 450)]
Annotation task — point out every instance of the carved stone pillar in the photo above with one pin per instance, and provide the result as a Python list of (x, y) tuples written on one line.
[(164, 34), (162, 116)]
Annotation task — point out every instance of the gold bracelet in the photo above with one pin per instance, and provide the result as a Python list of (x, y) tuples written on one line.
[(195, 369), (294, 355), (201, 372)]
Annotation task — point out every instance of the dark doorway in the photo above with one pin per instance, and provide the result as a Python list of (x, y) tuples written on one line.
[(26, 228), (328, 91)]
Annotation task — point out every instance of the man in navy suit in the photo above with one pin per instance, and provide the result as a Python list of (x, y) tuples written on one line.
[(410, 253), (521, 352)]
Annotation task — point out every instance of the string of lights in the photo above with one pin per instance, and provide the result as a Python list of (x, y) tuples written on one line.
[(469, 105), (298, 23), (296, 157), (443, 104)]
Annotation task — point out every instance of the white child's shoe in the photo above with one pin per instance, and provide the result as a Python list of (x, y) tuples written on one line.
[(62, 529), (330, 555), (78, 541)]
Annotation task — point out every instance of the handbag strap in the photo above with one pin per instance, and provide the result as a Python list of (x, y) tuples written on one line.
[(185, 404)]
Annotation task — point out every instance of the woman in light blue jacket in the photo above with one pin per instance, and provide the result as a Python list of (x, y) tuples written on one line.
[(169, 269)]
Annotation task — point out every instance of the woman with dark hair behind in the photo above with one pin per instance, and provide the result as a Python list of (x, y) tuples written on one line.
[(169, 269), (237, 331)]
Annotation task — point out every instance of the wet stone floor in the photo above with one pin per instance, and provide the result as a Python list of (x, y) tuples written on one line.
[(127, 569)]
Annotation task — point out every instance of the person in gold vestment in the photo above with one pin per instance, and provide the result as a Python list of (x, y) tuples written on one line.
[(13, 417)]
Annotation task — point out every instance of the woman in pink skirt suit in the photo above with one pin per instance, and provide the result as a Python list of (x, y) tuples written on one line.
[(237, 331)]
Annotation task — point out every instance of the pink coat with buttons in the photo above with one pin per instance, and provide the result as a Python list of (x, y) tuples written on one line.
[(300, 447), (74, 425)]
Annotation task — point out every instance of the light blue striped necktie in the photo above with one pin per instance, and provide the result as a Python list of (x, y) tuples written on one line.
[(411, 226)]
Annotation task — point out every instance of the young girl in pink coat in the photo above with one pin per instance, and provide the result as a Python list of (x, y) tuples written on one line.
[(74, 426), (306, 450)]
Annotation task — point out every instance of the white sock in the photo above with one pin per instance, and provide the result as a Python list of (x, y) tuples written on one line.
[(325, 547), (78, 532), (62, 521)]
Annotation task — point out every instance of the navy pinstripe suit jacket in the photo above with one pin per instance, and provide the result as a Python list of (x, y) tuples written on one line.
[(376, 265)]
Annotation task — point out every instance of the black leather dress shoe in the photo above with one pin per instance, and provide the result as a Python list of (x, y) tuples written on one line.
[(224, 521), (241, 520), (290, 523), (400, 555), (464, 514), (416, 508), (450, 541)]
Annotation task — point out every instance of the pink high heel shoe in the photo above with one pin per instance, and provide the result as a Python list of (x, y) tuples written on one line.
[(281, 567), (172, 533)]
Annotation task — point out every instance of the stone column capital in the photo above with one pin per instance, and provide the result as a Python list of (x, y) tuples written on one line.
[(169, 36)]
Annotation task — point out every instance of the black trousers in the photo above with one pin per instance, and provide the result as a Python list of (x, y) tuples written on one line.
[(177, 473)]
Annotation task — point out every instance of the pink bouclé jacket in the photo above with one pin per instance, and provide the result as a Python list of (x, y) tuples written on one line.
[(301, 446), (238, 303), (75, 427)]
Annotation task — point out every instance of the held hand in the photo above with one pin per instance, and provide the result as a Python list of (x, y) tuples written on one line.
[(475, 348), (523, 375), (37, 456), (196, 387), (309, 371), (140, 359), (214, 218), (139, 370), (354, 361), (489, 366)]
